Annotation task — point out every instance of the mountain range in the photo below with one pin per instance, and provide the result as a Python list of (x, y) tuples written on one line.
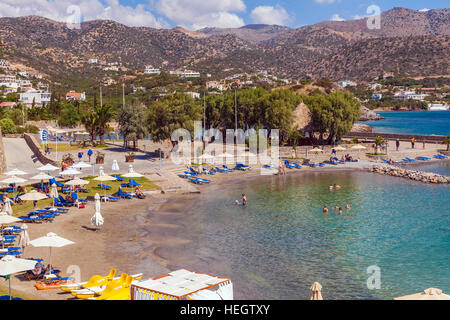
[(408, 43)]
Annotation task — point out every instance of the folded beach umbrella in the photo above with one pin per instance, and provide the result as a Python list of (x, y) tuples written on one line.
[(97, 219), (24, 238), (131, 173), (428, 294), (33, 196), (51, 240), (115, 166), (15, 172), (7, 209), (10, 265), (358, 147), (316, 289), (54, 194)]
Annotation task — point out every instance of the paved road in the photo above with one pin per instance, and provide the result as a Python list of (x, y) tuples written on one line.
[(20, 156)]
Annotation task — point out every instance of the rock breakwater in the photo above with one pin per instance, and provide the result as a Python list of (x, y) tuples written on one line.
[(426, 177)]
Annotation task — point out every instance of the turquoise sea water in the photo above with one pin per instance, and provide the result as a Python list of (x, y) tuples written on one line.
[(413, 122), (278, 245)]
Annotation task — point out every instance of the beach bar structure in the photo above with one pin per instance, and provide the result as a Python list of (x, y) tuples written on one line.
[(183, 285)]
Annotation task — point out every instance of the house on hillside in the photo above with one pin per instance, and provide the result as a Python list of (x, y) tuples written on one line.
[(194, 95), (190, 74), (75, 96), (93, 61), (151, 70), (38, 97), (377, 96), (347, 83), (406, 95)]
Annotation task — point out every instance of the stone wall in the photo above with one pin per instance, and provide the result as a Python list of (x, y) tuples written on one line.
[(35, 146), (2, 155)]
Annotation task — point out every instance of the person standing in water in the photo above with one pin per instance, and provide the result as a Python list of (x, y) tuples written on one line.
[(347, 207), (340, 211), (244, 199), (325, 209)]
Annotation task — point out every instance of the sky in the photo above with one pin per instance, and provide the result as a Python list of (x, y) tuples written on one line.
[(197, 14)]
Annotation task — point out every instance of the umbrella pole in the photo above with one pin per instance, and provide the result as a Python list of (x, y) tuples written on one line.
[(10, 296), (50, 260)]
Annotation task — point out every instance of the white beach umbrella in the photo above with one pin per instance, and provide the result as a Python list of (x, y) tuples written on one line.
[(102, 177), (70, 172), (41, 176), (81, 165), (33, 195), (15, 172), (51, 240), (316, 150), (339, 148), (97, 219), (48, 167), (24, 238), (131, 173), (10, 265), (76, 182), (115, 166), (13, 179), (358, 147)]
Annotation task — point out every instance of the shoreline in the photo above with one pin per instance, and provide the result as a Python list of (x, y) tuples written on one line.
[(161, 219)]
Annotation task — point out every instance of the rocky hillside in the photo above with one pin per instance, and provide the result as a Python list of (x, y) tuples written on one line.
[(409, 43)]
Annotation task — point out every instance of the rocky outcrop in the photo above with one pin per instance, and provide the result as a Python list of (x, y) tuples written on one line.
[(358, 127), (369, 115), (426, 177)]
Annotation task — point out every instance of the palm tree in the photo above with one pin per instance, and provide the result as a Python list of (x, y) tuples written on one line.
[(378, 141), (89, 120), (104, 115), (447, 142)]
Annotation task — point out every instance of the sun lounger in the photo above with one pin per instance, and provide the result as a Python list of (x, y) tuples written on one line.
[(288, 165), (269, 166), (243, 167), (103, 186), (295, 164), (76, 198), (423, 158), (63, 202), (31, 219), (118, 178), (226, 168), (193, 171), (53, 181), (440, 156), (206, 171), (109, 198), (121, 194)]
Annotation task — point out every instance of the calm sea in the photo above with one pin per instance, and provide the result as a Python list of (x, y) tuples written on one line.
[(413, 122), (278, 245)]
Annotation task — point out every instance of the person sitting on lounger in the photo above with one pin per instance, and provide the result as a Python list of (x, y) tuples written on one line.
[(69, 198), (37, 269), (138, 193)]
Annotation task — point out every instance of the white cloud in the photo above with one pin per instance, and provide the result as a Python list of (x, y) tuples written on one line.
[(270, 15), (424, 10), (325, 1), (89, 10), (197, 14), (336, 17)]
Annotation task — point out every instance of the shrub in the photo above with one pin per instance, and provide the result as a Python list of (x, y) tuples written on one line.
[(7, 126)]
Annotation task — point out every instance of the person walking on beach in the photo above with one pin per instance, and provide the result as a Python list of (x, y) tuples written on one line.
[(244, 199), (89, 153), (412, 143), (423, 141), (397, 144), (80, 155)]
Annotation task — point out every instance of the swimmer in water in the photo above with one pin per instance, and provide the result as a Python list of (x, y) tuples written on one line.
[(336, 186), (244, 199), (325, 209), (237, 202), (340, 211), (336, 207), (347, 207), (330, 188)]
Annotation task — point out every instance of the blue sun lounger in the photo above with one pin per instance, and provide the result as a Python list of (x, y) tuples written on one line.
[(109, 198), (221, 170), (75, 197), (423, 158), (193, 171), (206, 171), (226, 168), (61, 202), (240, 166), (197, 181), (288, 165), (118, 178), (32, 219), (269, 166), (122, 194), (104, 186), (53, 181)]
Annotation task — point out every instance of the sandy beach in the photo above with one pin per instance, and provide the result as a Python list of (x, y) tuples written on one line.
[(150, 236)]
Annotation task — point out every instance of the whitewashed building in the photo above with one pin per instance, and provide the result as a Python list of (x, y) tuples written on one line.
[(194, 95), (190, 74), (39, 97), (406, 95), (347, 83), (151, 70)]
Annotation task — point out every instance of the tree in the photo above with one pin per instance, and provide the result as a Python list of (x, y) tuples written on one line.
[(294, 138), (89, 120), (333, 114), (173, 112), (132, 124), (69, 115), (378, 141), (7, 126), (447, 142), (104, 114)]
